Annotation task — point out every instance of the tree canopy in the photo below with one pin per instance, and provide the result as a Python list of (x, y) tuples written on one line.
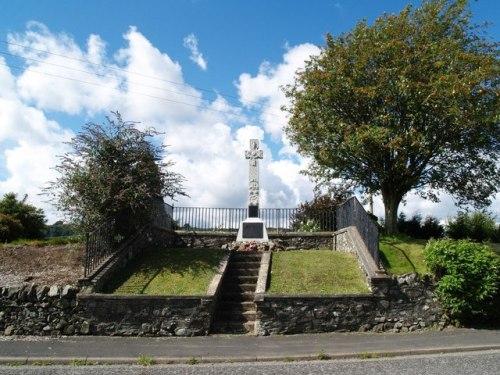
[(114, 171), (408, 103), (18, 219)]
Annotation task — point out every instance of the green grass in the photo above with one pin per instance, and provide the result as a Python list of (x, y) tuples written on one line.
[(401, 254), (316, 272), (168, 272)]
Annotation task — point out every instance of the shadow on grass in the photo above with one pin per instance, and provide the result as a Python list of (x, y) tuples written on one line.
[(160, 261), (399, 250)]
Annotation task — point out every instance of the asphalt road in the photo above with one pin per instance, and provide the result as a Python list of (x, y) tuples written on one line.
[(465, 363), (242, 348)]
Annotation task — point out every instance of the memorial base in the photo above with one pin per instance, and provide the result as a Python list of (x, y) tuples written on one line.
[(252, 229)]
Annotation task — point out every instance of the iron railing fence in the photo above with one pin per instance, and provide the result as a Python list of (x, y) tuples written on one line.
[(229, 219), (352, 213), (99, 245), (162, 214), (104, 241)]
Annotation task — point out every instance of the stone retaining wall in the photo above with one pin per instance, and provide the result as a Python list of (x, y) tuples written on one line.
[(284, 241), (111, 315), (43, 311), (408, 305), (40, 311)]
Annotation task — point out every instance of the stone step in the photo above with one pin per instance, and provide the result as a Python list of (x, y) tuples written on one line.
[(234, 306), (244, 265), (240, 279), (243, 272), (238, 296), (234, 327), (246, 256), (238, 287), (238, 316)]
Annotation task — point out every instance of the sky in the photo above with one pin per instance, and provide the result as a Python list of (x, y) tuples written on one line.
[(207, 74)]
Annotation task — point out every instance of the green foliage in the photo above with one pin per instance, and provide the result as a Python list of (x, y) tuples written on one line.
[(60, 229), (145, 360), (318, 214), (418, 228), (408, 103), (114, 171), (10, 228), (468, 277), (19, 219), (479, 226), (322, 356), (311, 225)]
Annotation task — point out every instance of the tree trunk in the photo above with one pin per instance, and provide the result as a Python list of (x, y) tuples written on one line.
[(391, 204)]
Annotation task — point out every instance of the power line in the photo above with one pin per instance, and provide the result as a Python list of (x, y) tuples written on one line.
[(109, 67), (225, 112)]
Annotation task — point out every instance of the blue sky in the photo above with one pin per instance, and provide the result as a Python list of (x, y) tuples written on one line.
[(206, 73)]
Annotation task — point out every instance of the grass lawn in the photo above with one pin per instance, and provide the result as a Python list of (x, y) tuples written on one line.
[(402, 255), (168, 272), (316, 272)]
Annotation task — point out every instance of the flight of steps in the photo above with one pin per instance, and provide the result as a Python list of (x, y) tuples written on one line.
[(236, 309)]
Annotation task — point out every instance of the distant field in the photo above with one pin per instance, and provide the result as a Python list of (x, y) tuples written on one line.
[(168, 272), (316, 272)]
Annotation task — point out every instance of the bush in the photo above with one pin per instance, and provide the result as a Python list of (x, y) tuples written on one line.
[(10, 228), (318, 214), (32, 219), (416, 228), (479, 226), (468, 277), (431, 228)]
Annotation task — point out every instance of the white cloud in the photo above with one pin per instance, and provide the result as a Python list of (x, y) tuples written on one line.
[(191, 43), (63, 79), (263, 91), (207, 138), (32, 144)]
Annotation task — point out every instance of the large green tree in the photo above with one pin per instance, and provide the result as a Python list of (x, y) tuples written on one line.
[(408, 103), (114, 171), (18, 219)]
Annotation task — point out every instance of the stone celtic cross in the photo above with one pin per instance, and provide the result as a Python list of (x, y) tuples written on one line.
[(253, 155)]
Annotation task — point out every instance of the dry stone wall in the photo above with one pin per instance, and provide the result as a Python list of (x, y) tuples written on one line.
[(111, 315), (409, 304), (40, 311), (55, 311), (280, 241)]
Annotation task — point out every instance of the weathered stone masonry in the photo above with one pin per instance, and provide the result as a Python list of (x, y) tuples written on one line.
[(40, 311), (407, 304)]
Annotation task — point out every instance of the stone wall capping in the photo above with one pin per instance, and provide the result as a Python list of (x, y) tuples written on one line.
[(216, 281), (262, 280)]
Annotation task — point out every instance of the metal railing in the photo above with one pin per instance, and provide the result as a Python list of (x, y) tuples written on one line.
[(352, 213), (229, 219), (104, 241), (99, 245)]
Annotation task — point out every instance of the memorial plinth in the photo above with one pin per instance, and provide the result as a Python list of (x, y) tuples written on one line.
[(253, 228)]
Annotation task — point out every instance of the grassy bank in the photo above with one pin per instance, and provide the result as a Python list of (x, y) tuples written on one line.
[(316, 272), (402, 254), (168, 272)]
